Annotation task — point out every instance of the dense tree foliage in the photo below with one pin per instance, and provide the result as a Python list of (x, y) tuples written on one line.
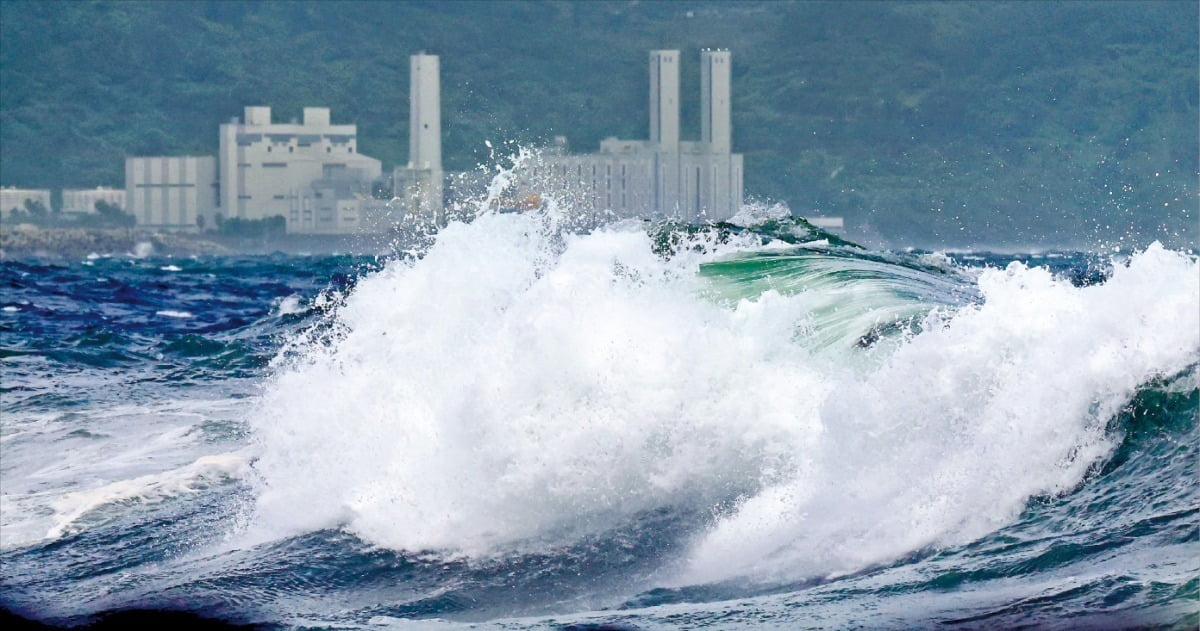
[(273, 226), (926, 123)]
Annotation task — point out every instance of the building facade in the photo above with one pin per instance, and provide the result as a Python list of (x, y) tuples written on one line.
[(14, 199), (83, 200), (292, 169), (177, 193), (659, 178)]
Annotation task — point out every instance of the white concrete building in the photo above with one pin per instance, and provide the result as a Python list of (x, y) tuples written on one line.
[(14, 199), (171, 192), (418, 187), (83, 200), (292, 169), (662, 177)]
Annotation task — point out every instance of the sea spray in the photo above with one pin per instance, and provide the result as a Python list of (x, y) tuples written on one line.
[(965, 423), (821, 405), (498, 390), (520, 386)]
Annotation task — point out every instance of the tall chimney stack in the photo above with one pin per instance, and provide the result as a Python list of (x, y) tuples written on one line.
[(714, 100), (425, 114), (664, 99)]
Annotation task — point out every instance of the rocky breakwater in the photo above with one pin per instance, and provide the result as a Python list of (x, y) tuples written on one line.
[(25, 241)]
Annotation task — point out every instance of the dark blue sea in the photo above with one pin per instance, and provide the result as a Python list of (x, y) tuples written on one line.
[(633, 427)]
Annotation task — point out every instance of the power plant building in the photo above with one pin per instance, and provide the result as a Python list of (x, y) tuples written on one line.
[(663, 177), (308, 172), (83, 200), (311, 173), (176, 193)]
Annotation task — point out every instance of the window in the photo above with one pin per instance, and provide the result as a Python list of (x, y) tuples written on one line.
[(350, 149), (328, 149)]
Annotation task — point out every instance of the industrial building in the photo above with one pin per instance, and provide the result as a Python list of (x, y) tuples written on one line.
[(176, 193), (308, 172), (311, 173), (83, 200), (14, 199), (663, 177)]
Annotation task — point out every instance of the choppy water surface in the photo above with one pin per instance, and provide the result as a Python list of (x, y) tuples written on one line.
[(527, 428)]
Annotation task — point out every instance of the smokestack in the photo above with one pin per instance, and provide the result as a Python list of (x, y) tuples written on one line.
[(425, 113), (714, 100), (664, 99)]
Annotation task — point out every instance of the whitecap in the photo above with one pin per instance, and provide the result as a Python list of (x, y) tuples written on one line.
[(290, 305)]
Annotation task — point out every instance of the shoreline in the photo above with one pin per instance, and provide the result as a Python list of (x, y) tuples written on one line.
[(26, 241)]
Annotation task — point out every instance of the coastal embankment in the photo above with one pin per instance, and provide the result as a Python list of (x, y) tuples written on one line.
[(26, 241)]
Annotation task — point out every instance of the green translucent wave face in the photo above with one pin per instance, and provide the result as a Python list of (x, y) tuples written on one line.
[(848, 296)]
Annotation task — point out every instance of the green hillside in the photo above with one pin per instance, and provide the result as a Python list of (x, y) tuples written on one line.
[(920, 123)]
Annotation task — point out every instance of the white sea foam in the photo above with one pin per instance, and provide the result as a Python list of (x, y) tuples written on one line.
[(171, 268), (516, 385), (497, 391), (146, 489), (66, 471), (171, 313), (951, 436), (290, 305)]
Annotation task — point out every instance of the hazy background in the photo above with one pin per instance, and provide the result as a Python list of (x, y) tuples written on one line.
[(956, 124)]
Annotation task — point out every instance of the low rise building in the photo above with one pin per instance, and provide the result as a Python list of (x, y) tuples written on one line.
[(83, 200), (12, 198)]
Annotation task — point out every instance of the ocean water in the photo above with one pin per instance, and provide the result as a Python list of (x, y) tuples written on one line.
[(641, 426)]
